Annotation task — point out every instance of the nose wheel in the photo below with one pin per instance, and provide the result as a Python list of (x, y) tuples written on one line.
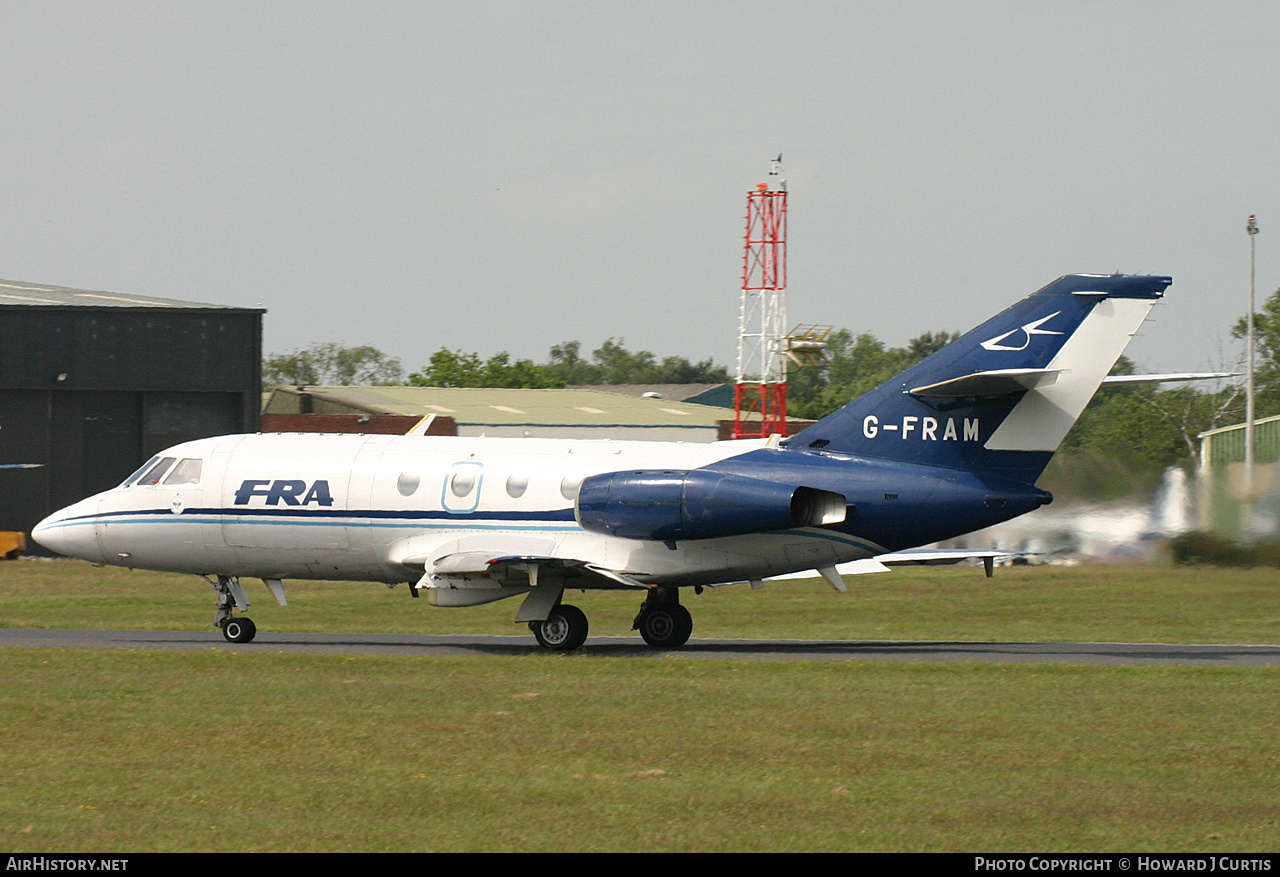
[(239, 630)]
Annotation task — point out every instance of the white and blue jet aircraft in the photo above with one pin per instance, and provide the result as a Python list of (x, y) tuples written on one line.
[(951, 445)]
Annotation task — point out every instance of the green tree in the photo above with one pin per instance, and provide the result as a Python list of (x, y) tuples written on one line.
[(1129, 434), (450, 368), (855, 365), (1266, 333), (613, 363), (567, 364), (330, 364), (610, 363)]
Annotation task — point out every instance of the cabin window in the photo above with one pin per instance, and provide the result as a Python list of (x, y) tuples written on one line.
[(462, 485), (186, 472), (153, 475), (138, 474), (463, 482), (517, 485), (408, 483), (569, 486)]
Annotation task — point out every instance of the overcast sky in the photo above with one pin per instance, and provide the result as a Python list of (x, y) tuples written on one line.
[(509, 175)]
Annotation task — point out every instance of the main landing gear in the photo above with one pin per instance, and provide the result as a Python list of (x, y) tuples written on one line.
[(663, 622), (563, 630), (231, 595)]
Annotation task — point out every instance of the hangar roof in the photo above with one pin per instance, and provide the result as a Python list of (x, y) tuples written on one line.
[(14, 293), (719, 395), (500, 406)]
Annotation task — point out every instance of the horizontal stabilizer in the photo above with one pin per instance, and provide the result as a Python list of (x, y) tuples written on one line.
[(1112, 380), (989, 384)]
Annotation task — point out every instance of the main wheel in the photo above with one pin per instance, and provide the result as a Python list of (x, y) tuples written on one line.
[(564, 630), (667, 627), (239, 630)]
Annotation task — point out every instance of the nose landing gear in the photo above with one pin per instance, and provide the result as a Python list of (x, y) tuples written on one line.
[(232, 596)]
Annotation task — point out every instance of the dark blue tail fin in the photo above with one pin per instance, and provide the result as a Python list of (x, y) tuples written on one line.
[(999, 400)]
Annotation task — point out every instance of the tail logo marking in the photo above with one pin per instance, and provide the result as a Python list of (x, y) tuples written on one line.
[(1032, 328)]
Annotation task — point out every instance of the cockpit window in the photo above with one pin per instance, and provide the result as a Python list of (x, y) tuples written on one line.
[(143, 468), (186, 472), (156, 472)]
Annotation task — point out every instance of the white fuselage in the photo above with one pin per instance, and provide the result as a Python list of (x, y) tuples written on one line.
[(381, 508)]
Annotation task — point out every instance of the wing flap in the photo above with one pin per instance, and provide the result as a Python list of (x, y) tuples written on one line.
[(485, 569)]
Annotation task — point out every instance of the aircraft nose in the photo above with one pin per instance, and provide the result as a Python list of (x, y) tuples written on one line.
[(51, 534), (71, 532)]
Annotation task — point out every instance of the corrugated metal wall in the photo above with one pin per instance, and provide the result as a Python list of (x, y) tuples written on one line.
[(90, 393), (1222, 481)]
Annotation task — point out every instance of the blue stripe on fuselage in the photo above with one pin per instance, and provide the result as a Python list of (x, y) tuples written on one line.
[(317, 515), (559, 520)]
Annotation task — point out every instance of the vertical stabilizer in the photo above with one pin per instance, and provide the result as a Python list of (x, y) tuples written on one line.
[(999, 400)]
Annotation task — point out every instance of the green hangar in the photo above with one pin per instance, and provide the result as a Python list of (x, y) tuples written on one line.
[(93, 383)]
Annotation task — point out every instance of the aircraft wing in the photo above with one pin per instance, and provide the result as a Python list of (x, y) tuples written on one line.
[(521, 569), (909, 557), (943, 556), (494, 561)]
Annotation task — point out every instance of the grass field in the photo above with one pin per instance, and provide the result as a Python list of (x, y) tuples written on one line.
[(138, 751), (1116, 603)]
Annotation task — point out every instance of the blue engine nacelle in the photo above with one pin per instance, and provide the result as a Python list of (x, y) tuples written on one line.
[(670, 505)]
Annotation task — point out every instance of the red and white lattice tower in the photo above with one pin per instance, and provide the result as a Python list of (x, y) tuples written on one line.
[(760, 393)]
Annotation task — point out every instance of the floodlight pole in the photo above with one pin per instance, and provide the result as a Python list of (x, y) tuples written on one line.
[(1252, 228)]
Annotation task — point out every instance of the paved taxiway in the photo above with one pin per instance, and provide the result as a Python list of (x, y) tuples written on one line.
[(633, 647)]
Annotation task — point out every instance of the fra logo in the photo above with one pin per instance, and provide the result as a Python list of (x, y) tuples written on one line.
[(285, 492)]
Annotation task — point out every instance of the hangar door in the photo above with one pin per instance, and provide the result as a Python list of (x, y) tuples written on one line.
[(89, 440)]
